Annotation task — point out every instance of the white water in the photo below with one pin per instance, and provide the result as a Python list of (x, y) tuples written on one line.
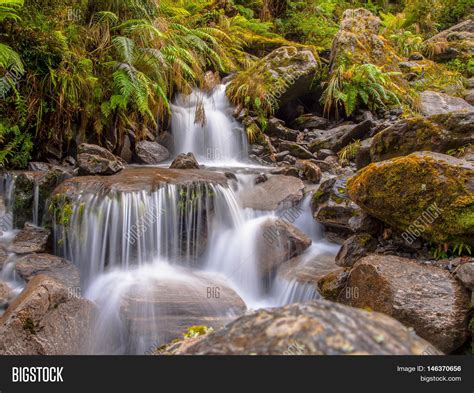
[(214, 137), (137, 251)]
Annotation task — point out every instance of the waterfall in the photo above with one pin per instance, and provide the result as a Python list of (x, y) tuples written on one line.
[(7, 190), (176, 248), (202, 123), (124, 229)]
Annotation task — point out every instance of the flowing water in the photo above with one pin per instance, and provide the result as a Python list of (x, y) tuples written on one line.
[(181, 255), (203, 124)]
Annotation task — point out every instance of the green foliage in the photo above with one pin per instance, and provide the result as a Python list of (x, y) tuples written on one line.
[(196, 331), (16, 147), (357, 85), (83, 70), (446, 250), (349, 152)]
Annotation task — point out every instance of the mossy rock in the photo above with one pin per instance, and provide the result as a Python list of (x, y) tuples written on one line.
[(282, 76), (439, 133), (359, 42), (402, 191)]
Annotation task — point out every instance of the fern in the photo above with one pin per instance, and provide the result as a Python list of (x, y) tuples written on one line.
[(360, 85)]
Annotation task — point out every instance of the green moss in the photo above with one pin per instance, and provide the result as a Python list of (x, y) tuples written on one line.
[(196, 331), (399, 191), (61, 209), (29, 325)]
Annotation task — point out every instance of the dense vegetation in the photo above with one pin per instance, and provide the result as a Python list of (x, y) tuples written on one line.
[(74, 71)]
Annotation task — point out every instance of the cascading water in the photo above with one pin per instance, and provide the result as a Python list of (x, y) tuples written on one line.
[(202, 123), (159, 260)]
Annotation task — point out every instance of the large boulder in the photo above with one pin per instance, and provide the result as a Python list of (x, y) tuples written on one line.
[(280, 242), (96, 160), (426, 298), (359, 41), (315, 328), (438, 133), (434, 103), (150, 153), (278, 192), (45, 320), (336, 138), (31, 239), (288, 70), (185, 161), (157, 311), (425, 194), (52, 266)]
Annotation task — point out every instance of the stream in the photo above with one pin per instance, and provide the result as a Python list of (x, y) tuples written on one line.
[(156, 262)]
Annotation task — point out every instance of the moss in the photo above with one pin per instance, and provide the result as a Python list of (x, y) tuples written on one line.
[(61, 209), (29, 325), (400, 190), (198, 330)]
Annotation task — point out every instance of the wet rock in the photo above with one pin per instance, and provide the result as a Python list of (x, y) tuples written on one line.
[(281, 156), (286, 170), (126, 152), (365, 223), (45, 320), (32, 189), (332, 284), (262, 178), (423, 297), (163, 310), (434, 103), (62, 171), (96, 160), (309, 171), (363, 157), (135, 179), (465, 274), (308, 270), (324, 153), (355, 248), (278, 192), (337, 138), (438, 133), (63, 271), (150, 153), (315, 328), (331, 205), (185, 161), (166, 139), (31, 239), (280, 241), (277, 128), (296, 150), (310, 122), (427, 194)]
